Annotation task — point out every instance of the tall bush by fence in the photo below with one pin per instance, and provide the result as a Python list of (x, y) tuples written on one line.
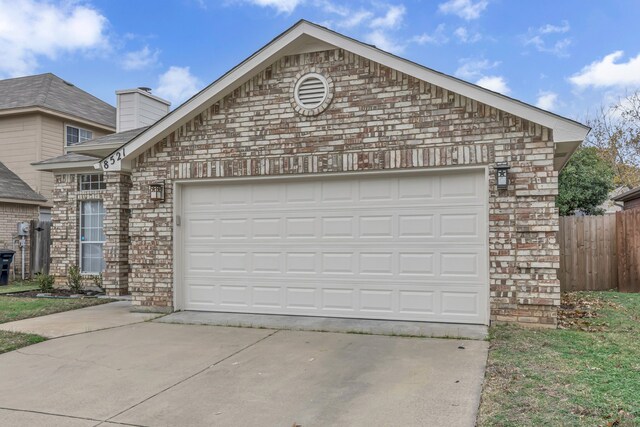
[(588, 253)]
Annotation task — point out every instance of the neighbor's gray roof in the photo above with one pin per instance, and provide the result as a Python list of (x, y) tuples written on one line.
[(115, 138), (68, 158), (12, 187), (629, 195), (51, 92)]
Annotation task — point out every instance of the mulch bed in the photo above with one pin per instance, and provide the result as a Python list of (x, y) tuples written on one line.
[(57, 293)]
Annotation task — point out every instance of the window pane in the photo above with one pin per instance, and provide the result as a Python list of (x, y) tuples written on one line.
[(73, 135), (92, 236)]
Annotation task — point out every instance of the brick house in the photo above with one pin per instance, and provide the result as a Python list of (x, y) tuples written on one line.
[(325, 177)]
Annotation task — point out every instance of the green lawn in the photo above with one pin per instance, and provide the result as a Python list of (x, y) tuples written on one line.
[(18, 287), (14, 308), (585, 375), (10, 341)]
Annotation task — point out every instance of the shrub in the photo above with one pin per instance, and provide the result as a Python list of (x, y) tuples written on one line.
[(74, 279), (97, 281), (45, 282)]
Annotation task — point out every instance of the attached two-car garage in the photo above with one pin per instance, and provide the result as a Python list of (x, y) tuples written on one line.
[(404, 246)]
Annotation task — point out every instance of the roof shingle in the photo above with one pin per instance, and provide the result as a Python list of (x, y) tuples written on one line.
[(12, 187), (51, 92)]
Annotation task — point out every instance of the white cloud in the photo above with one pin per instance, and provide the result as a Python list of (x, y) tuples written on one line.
[(549, 28), (547, 100), (383, 41), (464, 36), (140, 59), (392, 19), (437, 37), (282, 6), (474, 68), (538, 38), (177, 84), (465, 9), (494, 83), (608, 72), (31, 29)]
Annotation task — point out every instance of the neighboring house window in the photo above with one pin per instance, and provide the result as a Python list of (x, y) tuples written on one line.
[(91, 181), (91, 236), (77, 135)]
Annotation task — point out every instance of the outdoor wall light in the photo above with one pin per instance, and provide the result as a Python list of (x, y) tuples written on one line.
[(502, 175), (156, 191)]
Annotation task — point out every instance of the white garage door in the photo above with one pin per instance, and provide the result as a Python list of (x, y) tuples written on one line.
[(400, 246)]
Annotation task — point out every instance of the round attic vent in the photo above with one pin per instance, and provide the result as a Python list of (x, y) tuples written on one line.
[(311, 91)]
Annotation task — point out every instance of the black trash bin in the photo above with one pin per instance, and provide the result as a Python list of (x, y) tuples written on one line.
[(6, 256)]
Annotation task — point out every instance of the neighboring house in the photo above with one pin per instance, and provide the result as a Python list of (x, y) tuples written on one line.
[(629, 200), (40, 117), (18, 203), (325, 177)]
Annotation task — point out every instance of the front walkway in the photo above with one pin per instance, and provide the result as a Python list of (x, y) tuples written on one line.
[(73, 322)]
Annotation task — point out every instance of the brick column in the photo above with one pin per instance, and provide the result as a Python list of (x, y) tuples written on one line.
[(64, 227), (116, 230)]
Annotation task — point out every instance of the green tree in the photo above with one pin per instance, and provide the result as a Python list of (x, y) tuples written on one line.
[(585, 183)]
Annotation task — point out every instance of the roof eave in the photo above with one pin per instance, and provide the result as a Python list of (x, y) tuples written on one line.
[(56, 113), (564, 130)]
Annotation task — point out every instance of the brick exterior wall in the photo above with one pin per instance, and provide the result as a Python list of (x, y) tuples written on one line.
[(65, 231), (378, 119), (10, 215), (116, 230)]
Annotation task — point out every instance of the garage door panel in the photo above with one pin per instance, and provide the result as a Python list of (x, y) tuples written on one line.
[(405, 247)]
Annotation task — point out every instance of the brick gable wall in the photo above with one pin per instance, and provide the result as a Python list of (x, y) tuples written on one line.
[(378, 119)]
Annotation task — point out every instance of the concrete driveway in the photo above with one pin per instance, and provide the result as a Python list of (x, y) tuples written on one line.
[(155, 374)]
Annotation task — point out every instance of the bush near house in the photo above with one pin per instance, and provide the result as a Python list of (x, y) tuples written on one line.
[(587, 373)]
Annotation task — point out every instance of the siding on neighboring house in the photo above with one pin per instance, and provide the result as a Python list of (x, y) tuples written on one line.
[(29, 138), (19, 141)]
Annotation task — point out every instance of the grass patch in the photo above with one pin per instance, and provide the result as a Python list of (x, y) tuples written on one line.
[(585, 375), (10, 341), (27, 285), (18, 308)]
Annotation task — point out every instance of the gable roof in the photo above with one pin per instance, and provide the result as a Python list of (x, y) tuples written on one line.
[(12, 187), (50, 92), (305, 36)]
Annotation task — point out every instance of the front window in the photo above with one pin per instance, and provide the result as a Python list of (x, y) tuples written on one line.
[(91, 237), (77, 135), (91, 181)]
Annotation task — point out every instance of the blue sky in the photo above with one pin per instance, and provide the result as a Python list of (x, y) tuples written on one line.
[(567, 56)]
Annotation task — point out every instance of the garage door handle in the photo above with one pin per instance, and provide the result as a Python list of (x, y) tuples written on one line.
[(178, 220)]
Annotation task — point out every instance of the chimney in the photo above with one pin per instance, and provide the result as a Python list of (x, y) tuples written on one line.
[(138, 107)]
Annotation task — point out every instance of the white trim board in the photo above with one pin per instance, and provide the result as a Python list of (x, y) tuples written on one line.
[(297, 39)]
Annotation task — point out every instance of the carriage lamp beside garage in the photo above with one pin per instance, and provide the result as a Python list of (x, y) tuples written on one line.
[(156, 191), (502, 175)]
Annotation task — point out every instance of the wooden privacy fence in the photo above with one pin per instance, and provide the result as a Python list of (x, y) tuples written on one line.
[(628, 238), (39, 245), (600, 252), (588, 253)]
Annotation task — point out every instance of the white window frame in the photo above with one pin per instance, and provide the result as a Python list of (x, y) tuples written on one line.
[(100, 182), (88, 135), (81, 242)]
